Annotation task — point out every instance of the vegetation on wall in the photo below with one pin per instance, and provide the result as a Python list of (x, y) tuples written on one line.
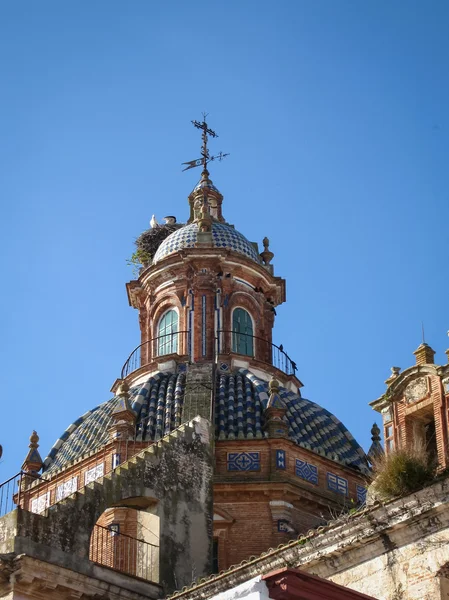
[(401, 472)]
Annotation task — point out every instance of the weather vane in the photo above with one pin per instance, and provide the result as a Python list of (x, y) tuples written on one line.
[(205, 156)]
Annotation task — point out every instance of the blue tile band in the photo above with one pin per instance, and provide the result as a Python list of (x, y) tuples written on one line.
[(337, 484), (306, 471), (243, 461)]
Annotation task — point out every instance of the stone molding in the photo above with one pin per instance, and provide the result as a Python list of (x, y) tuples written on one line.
[(343, 543), (25, 576)]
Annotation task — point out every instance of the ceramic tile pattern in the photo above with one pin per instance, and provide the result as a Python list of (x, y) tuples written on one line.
[(361, 494), (306, 471), (337, 484), (280, 459), (224, 236), (240, 402), (243, 461)]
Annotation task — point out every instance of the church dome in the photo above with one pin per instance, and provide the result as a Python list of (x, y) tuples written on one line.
[(240, 402), (223, 235)]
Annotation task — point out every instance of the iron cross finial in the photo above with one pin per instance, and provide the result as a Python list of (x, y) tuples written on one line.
[(205, 156)]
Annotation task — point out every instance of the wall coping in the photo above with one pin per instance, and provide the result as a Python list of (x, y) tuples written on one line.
[(335, 539)]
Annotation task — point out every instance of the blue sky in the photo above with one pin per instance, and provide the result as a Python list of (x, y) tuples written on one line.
[(336, 116)]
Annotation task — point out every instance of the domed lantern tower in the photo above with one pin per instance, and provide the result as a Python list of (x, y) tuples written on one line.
[(206, 293), (206, 299)]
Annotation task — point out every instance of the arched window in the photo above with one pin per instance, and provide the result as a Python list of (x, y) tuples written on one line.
[(167, 334), (242, 332)]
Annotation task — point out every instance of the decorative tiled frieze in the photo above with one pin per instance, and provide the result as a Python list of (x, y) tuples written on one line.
[(337, 484), (243, 461), (40, 503), (94, 473), (65, 489), (280, 459), (306, 471)]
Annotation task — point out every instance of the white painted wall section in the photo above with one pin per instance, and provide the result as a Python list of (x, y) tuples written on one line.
[(254, 589)]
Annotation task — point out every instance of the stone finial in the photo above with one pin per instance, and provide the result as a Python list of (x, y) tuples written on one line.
[(274, 400), (375, 433), (123, 389), (267, 256), (394, 375), (275, 424), (33, 461), (123, 418), (123, 404), (424, 354), (447, 354), (205, 188), (376, 451)]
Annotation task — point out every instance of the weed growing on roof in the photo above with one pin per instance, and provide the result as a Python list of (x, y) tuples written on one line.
[(403, 471)]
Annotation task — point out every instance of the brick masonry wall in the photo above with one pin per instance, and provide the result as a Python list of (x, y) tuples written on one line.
[(249, 525), (79, 469), (407, 413)]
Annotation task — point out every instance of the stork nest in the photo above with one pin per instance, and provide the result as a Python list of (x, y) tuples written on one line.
[(147, 244)]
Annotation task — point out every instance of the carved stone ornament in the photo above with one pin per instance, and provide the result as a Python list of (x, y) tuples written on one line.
[(387, 414), (416, 390)]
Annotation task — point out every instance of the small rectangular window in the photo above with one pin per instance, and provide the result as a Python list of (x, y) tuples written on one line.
[(389, 436)]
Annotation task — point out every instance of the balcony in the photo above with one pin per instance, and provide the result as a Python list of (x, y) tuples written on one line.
[(180, 345)]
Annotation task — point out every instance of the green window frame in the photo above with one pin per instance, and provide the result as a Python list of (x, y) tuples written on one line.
[(242, 332), (167, 333)]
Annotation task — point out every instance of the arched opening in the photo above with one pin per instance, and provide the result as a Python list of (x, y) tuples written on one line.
[(167, 333), (242, 332), (127, 540), (422, 424)]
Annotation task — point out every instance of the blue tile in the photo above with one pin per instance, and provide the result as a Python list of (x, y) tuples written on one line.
[(337, 484), (243, 461), (306, 471), (280, 459), (361, 494)]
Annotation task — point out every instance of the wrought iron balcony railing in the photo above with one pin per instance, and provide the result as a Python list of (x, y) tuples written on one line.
[(227, 342), (121, 552), (10, 493), (177, 342)]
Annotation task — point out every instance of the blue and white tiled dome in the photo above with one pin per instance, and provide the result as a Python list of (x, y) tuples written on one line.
[(224, 236), (240, 402)]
